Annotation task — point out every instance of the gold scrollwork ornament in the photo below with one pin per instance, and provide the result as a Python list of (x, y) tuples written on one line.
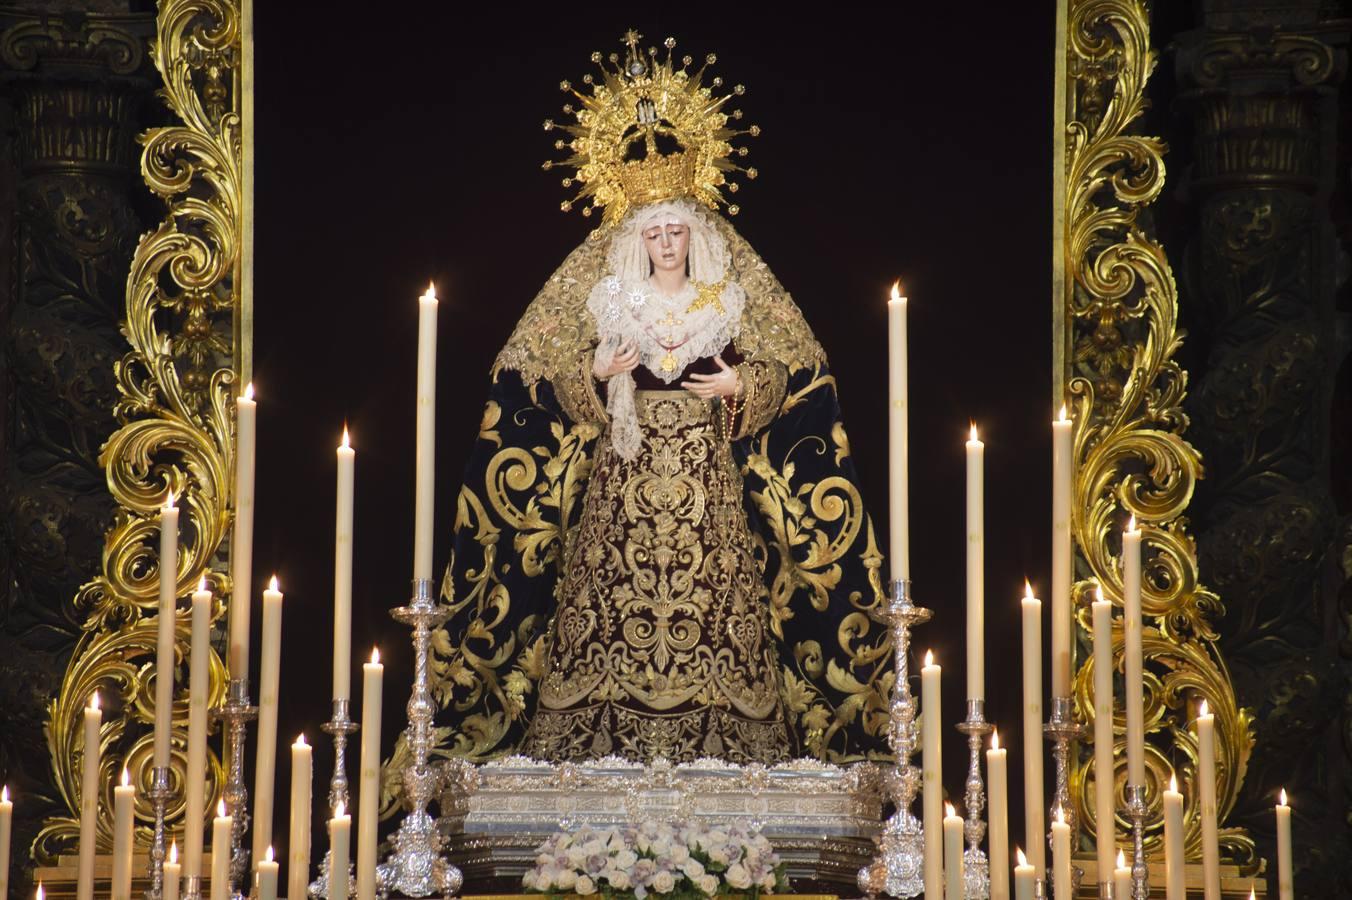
[(177, 384), (1120, 306)]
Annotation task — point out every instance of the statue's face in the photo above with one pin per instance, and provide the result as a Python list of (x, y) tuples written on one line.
[(668, 245)]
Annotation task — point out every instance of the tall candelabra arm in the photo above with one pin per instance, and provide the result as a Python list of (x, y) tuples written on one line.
[(976, 868), (159, 798), (236, 713), (898, 869), (417, 865), (340, 726), (1062, 729), (1140, 873)]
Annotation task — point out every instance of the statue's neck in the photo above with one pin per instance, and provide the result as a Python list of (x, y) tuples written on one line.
[(669, 282)]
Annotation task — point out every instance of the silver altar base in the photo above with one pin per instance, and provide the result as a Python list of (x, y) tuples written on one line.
[(822, 819)]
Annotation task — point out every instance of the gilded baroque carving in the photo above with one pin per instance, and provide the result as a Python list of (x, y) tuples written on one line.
[(1120, 305), (176, 387)]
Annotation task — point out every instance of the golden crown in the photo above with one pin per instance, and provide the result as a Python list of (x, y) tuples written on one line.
[(649, 102)]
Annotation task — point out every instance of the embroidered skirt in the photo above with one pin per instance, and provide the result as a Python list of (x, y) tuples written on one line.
[(660, 645)]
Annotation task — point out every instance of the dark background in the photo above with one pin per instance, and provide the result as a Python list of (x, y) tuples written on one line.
[(896, 144)]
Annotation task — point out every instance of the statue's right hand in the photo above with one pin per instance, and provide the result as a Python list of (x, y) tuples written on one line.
[(624, 359)]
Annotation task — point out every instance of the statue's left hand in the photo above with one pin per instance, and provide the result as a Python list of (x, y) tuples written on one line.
[(723, 383)]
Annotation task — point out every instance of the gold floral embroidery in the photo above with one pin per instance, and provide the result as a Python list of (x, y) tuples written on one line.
[(661, 643)]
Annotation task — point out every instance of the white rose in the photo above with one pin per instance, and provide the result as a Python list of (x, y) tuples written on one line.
[(528, 880), (738, 877), (663, 883), (718, 836), (768, 882), (719, 856), (692, 869), (584, 886), (661, 847), (594, 847), (544, 880), (576, 857), (707, 883), (680, 854), (625, 859), (618, 880), (566, 879)]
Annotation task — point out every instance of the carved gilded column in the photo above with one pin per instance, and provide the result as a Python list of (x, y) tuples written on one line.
[(1260, 85), (74, 86)]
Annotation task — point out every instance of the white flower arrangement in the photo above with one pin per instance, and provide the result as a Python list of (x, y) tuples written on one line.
[(684, 862)]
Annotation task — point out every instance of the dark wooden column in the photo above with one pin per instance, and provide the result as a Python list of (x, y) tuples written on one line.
[(1259, 84), (73, 87)]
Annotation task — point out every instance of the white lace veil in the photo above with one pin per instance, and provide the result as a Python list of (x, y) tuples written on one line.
[(707, 261)]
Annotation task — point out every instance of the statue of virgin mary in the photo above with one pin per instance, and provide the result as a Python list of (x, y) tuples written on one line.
[(661, 549)]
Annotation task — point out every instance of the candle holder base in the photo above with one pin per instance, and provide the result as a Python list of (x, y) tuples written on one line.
[(236, 713), (340, 726), (1105, 891), (158, 795), (192, 888), (1039, 889), (1140, 872), (899, 866), (319, 888)]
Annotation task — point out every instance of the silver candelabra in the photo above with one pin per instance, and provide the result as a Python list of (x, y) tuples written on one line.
[(340, 726), (236, 713), (975, 868), (1061, 729), (1140, 874), (159, 798), (899, 868), (417, 865)]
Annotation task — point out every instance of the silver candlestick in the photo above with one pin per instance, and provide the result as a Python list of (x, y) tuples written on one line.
[(340, 726), (899, 867), (159, 798), (1140, 874), (236, 713), (1061, 729), (418, 866), (975, 868), (192, 888)]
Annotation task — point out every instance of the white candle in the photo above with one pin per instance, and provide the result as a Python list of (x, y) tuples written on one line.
[(164, 633), (269, 678), (1062, 623), (199, 670), (1105, 826), (1206, 796), (342, 573), (1121, 877), (368, 801), (1286, 883), (976, 579), (1061, 858), (173, 874), (1025, 878), (953, 884), (220, 853), (89, 799), (997, 781), (124, 805), (426, 434), (898, 439), (1033, 817), (931, 724), (267, 877), (1134, 687), (241, 540), (1175, 862), (6, 826), (340, 837), (298, 865)]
